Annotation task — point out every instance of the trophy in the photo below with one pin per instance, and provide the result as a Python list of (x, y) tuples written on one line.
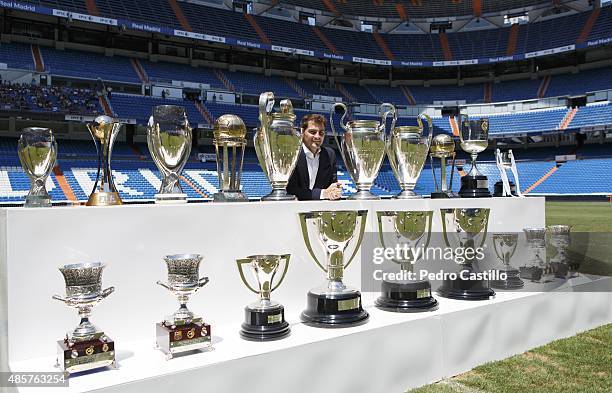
[(506, 187), (277, 144), (362, 148), (559, 239), (442, 147), (410, 230), (504, 245), (169, 141), (87, 347), (535, 265), (37, 150), (407, 151), (230, 142), (474, 136), (334, 304), (465, 229), (264, 320), (104, 131), (183, 331)]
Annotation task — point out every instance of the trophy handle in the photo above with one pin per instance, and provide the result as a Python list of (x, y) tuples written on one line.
[(380, 215), (333, 127), (163, 284), (364, 215), (286, 258), (515, 173), (203, 281), (61, 299), (383, 115), (240, 263), (304, 225), (429, 124), (107, 292), (486, 228), (443, 213), (450, 185), (96, 143), (502, 173), (463, 118)]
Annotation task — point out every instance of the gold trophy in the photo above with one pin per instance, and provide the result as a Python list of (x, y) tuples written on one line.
[(104, 131), (442, 147), (264, 320), (230, 142)]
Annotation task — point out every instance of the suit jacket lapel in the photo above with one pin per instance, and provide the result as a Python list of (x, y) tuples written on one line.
[(302, 168), (323, 165)]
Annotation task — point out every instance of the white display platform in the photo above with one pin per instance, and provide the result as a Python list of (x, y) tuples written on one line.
[(390, 353)]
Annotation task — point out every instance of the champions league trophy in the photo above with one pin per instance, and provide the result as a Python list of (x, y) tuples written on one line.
[(230, 142), (474, 139), (506, 187), (87, 347), (183, 331), (169, 141), (559, 239), (504, 245), (407, 150), (277, 144), (363, 148), (104, 131), (412, 230), (264, 319), (442, 147), (334, 304), (37, 150), (465, 229)]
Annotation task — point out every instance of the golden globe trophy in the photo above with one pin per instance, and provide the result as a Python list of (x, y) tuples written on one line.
[(230, 141), (442, 147), (104, 131)]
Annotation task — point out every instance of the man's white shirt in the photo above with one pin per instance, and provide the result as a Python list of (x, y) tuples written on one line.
[(312, 160)]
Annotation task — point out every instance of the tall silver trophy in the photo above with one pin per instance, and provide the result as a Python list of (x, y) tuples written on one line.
[(104, 131), (465, 230), (410, 232), (506, 187), (86, 347), (277, 144), (340, 234), (169, 140), (535, 268), (264, 320), (230, 141), (407, 150), (504, 245), (559, 238), (474, 136), (363, 147), (183, 331), (442, 147), (37, 150)]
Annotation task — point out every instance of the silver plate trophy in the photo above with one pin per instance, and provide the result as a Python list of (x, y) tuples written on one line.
[(183, 331), (504, 245), (277, 144), (363, 147), (506, 187), (340, 233), (264, 320), (104, 131), (535, 269), (442, 147), (37, 150), (474, 136), (465, 229), (407, 150), (230, 141), (559, 239), (169, 141), (86, 347), (411, 232)]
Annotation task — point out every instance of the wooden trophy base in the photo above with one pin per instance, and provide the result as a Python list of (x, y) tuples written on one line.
[(182, 338), (74, 357)]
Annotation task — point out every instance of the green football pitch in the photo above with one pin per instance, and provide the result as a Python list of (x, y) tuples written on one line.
[(582, 363)]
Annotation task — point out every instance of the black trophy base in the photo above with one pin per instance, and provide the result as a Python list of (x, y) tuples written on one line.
[(498, 189), (264, 325), (512, 281), (334, 311), (465, 289), (474, 187), (443, 195), (412, 296)]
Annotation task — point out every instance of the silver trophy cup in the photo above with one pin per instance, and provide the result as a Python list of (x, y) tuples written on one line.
[(86, 347), (504, 245), (559, 239), (535, 268), (169, 140), (37, 150), (363, 147)]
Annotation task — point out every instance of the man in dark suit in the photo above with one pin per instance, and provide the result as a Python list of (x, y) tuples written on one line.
[(315, 176)]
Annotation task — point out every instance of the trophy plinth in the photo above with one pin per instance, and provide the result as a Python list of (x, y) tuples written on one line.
[(409, 296), (512, 281), (442, 147), (230, 196), (171, 198), (86, 347), (104, 131), (37, 151), (474, 139), (278, 194), (334, 304), (264, 320), (466, 289), (230, 141), (474, 186), (498, 189), (183, 331), (362, 148)]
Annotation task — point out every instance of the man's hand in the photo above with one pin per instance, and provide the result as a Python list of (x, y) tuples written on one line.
[(333, 192)]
